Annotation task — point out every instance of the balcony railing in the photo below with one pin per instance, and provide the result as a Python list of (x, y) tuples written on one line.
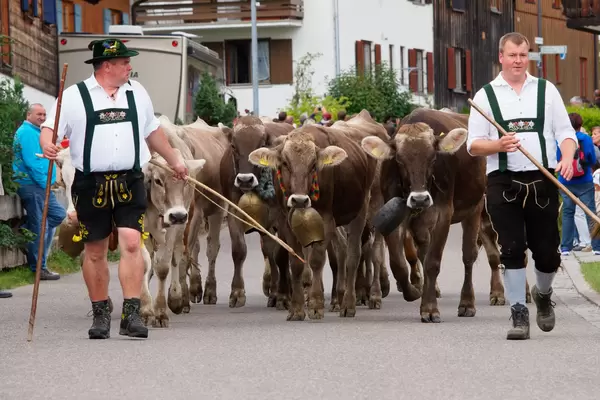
[(582, 15), (178, 12)]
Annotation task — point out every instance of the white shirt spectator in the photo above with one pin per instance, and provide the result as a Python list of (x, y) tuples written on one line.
[(113, 146)]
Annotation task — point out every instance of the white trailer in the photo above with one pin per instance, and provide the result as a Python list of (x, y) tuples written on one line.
[(168, 66)]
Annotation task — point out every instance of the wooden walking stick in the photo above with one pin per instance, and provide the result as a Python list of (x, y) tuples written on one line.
[(594, 217), (40, 255)]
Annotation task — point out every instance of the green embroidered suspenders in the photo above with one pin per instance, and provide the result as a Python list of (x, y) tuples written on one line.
[(108, 116), (521, 124)]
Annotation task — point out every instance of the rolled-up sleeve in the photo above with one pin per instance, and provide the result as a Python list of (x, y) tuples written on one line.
[(479, 127), (63, 123), (561, 123), (145, 108)]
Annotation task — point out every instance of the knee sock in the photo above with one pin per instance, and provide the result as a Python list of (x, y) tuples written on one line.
[(544, 280), (514, 284)]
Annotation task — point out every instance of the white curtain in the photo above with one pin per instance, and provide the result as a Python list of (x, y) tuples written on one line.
[(264, 70)]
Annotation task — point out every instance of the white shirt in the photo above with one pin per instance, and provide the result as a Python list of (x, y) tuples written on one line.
[(557, 125), (112, 147)]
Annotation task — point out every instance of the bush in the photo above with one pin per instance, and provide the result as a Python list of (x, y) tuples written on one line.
[(209, 104), (591, 116), (13, 110), (377, 92)]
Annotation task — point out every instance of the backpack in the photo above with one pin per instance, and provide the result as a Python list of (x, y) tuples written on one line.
[(579, 164)]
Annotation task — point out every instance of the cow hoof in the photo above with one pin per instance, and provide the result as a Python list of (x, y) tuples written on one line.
[(398, 286), (237, 298), (161, 319), (186, 309), (147, 314), (497, 299), (335, 307), (271, 301), (411, 294), (362, 298), (385, 286), (466, 311), (316, 313), (210, 297), (431, 317), (375, 303), (283, 303), (175, 304), (266, 285), (196, 298), (347, 312), (298, 315)]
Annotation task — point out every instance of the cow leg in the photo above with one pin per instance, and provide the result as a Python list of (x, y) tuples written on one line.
[(398, 265), (175, 298), (213, 245), (162, 264), (378, 267), (239, 251), (336, 252), (284, 293), (270, 280), (355, 231), (384, 276), (470, 226), (316, 260), (182, 263), (296, 310), (146, 310), (489, 239), (410, 252)]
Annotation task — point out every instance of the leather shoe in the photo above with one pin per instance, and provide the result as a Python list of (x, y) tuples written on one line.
[(49, 275), (4, 294)]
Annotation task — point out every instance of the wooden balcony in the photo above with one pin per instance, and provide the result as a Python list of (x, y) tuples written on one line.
[(583, 15), (213, 12)]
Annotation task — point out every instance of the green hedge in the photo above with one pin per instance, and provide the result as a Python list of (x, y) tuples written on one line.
[(591, 116)]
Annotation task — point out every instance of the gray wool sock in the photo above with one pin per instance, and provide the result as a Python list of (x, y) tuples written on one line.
[(544, 280), (514, 285)]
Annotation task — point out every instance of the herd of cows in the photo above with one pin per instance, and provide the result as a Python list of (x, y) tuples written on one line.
[(346, 175)]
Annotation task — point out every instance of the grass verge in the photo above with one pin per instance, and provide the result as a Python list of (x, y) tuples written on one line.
[(591, 273)]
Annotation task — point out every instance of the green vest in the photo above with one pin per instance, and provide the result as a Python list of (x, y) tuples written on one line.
[(108, 116), (521, 124)]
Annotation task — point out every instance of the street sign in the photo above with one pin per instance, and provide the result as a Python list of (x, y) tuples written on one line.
[(533, 56), (539, 40), (563, 56), (553, 49)]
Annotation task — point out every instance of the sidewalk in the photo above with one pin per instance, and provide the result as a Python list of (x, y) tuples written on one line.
[(571, 265)]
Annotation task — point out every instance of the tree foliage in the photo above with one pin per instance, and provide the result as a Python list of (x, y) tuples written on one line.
[(209, 104), (377, 92), (590, 116)]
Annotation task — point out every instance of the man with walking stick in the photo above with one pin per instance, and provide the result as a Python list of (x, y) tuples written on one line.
[(106, 118), (521, 201)]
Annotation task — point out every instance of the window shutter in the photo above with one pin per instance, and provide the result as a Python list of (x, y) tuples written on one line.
[(35, 8), (451, 68), (49, 11), (59, 17), (430, 73), (557, 65), (107, 19), (25, 5), (281, 62), (77, 11), (544, 71), (468, 71), (377, 54), (359, 57), (125, 18), (413, 75)]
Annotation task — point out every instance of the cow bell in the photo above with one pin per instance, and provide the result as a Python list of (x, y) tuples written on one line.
[(254, 206), (390, 216), (307, 225), (65, 239)]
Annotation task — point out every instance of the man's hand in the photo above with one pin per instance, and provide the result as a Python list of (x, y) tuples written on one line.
[(72, 218), (508, 143), (181, 171), (565, 168), (51, 151)]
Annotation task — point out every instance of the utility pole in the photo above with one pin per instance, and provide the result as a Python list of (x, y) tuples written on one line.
[(254, 50), (539, 33)]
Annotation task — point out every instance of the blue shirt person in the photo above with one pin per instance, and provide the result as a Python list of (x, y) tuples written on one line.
[(581, 186), (31, 173)]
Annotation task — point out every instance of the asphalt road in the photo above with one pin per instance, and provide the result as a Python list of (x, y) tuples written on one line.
[(253, 353)]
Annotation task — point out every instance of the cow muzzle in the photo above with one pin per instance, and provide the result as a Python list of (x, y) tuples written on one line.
[(299, 201), (245, 182), (419, 200), (175, 216)]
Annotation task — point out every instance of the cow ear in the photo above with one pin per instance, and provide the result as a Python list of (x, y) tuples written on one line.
[(452, 141), (227, 131), (330, 156), (278, 140), (264, 157), (195, 166), (376, 148)]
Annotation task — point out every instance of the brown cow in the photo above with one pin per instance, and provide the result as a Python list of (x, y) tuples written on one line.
[(324, 169), (426, 164)]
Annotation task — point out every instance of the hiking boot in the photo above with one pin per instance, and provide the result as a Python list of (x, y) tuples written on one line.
[(131, 322), (101, 326), (520, 317), (545, 309), (46, 275)]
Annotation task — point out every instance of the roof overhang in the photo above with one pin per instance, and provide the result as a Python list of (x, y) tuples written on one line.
[(220, 25)]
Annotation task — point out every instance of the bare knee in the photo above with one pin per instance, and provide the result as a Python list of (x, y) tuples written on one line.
[(95, 252), (129, 241)]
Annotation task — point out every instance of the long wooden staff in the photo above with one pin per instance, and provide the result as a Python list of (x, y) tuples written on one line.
[(41, 246), (544, 170), (252, 221)]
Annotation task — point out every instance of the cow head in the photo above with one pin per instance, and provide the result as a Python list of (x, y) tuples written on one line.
[(247, 135), (297, 159), (415, 148), (171, 197)]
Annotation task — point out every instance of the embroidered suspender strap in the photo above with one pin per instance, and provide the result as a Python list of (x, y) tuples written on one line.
[(89, 126), (133, 118), (502, 157), (541, 118)]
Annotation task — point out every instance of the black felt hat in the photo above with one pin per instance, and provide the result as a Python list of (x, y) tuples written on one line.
[(108, 49)]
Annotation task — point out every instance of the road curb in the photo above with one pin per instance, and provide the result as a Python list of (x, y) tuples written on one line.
[(572, 266)]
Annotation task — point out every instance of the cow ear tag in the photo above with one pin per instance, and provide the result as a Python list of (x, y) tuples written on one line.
[(376, 152), (263, 161), (328, 160)]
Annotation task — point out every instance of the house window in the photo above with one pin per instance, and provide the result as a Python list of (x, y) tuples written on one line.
[(367, 56), (557, 4), (5, 32), (583, 77), (402, 82), (391, 56), (68, 15), (420, 74), (116, 17), (459, 69), (458, 5), (495, 5)]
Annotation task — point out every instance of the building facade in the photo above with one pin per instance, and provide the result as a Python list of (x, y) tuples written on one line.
[(348, 33)]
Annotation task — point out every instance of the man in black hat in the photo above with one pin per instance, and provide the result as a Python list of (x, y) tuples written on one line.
[(107, 117)]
